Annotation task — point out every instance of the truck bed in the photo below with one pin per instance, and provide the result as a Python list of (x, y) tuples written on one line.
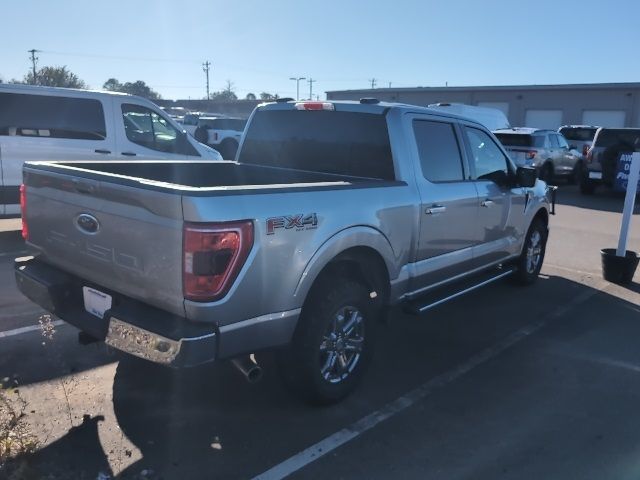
[(203, 176)]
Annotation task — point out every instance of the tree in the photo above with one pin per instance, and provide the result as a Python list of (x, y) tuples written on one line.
[(138, 87), (55, 77), (267, 96), (225, 95), (250, 96), (112, 85)]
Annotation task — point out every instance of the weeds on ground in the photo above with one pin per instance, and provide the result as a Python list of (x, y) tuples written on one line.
[(16, 439)]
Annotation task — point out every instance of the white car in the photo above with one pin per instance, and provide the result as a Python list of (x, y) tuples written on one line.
[(47, 123), (223, 134)]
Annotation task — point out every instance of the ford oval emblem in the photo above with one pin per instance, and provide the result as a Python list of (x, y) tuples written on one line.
[(87, 223)]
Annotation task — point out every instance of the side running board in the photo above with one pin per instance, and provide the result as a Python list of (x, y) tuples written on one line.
[(444, 294)]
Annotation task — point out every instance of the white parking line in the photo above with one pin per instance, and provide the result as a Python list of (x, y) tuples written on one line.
[(330, 443), (30, 328)]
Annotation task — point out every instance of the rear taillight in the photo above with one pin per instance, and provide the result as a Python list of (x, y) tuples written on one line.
[(585, 149), (531, 154), (213, 257), (23, 211)]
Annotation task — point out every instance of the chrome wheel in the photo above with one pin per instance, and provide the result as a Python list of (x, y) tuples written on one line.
[(534, 251), (342, 344)]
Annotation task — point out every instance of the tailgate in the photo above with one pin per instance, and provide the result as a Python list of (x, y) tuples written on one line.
[(123, 238)]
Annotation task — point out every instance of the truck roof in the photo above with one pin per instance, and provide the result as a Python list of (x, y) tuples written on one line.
[(366, 105), (57, 90)]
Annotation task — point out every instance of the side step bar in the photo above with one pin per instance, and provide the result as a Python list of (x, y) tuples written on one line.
[(444, 294)]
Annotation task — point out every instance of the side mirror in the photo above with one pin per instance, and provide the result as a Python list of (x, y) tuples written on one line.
[(526, 176)]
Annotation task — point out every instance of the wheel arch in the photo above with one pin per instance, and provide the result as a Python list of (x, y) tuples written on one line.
[(360, 253)]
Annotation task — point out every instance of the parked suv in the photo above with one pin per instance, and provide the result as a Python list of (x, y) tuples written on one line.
[(603, 163), (546, 150), (223, 134)]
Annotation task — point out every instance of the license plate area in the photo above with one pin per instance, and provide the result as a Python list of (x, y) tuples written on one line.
[(595, 175), (96, 302)]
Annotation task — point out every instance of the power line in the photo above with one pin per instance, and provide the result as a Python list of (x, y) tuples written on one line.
[(34, 60), (205, 68)]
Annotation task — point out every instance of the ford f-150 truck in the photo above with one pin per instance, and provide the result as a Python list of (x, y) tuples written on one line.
[(331, 212)]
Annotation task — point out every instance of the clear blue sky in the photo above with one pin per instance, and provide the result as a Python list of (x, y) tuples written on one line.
[(258, 45)]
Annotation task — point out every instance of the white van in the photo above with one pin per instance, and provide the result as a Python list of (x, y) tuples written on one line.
[(47, 123), (492, 118)]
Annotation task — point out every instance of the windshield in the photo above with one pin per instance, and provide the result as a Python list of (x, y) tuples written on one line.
[(515, 140)]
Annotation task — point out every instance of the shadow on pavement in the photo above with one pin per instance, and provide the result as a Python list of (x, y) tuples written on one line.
[(208, 422), (604, 199)]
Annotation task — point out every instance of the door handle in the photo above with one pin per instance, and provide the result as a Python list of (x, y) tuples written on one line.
[(435, 209), (105, 152), (82, 187), (129, 154), (487, 203)]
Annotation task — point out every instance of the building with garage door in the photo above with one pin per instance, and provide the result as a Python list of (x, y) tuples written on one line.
[(540, 106)]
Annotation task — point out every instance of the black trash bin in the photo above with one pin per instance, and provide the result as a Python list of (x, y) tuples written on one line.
[(619, 269)]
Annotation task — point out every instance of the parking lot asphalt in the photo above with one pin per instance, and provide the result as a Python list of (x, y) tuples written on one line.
[(506, 382)]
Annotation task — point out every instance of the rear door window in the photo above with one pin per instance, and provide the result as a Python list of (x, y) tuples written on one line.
[(553, 141), (346, 143), (439, 151), (51, 116)]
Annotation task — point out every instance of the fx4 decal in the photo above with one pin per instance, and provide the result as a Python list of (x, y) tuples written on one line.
[(299, 222)]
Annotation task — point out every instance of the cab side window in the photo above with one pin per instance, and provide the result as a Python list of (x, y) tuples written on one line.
[(488, 160), (51, 117), (147, 128), (439, 151), (553, 141)]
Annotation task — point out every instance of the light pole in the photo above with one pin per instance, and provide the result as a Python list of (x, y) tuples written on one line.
[(297, 80)]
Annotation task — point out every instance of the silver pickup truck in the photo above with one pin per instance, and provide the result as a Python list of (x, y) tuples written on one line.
[(331, 212)]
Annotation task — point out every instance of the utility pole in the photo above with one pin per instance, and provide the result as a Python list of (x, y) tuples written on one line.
[(389, 84), (373, 83), (297, 80), (311, 81), (205, 69), (34, 59)]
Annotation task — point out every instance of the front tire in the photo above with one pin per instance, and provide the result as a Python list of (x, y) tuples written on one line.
[(333, 343), (535, 245)]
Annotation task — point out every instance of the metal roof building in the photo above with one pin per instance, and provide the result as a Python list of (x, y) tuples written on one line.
[(541, 106)]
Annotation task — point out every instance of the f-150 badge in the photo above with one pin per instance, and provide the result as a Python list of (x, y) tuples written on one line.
[(299, 222)]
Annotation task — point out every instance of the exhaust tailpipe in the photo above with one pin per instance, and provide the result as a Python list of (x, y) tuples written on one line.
[(248, 367)]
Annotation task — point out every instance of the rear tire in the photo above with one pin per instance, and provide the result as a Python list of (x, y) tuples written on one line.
[(535, 245), (587, 186), (333, 343)]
